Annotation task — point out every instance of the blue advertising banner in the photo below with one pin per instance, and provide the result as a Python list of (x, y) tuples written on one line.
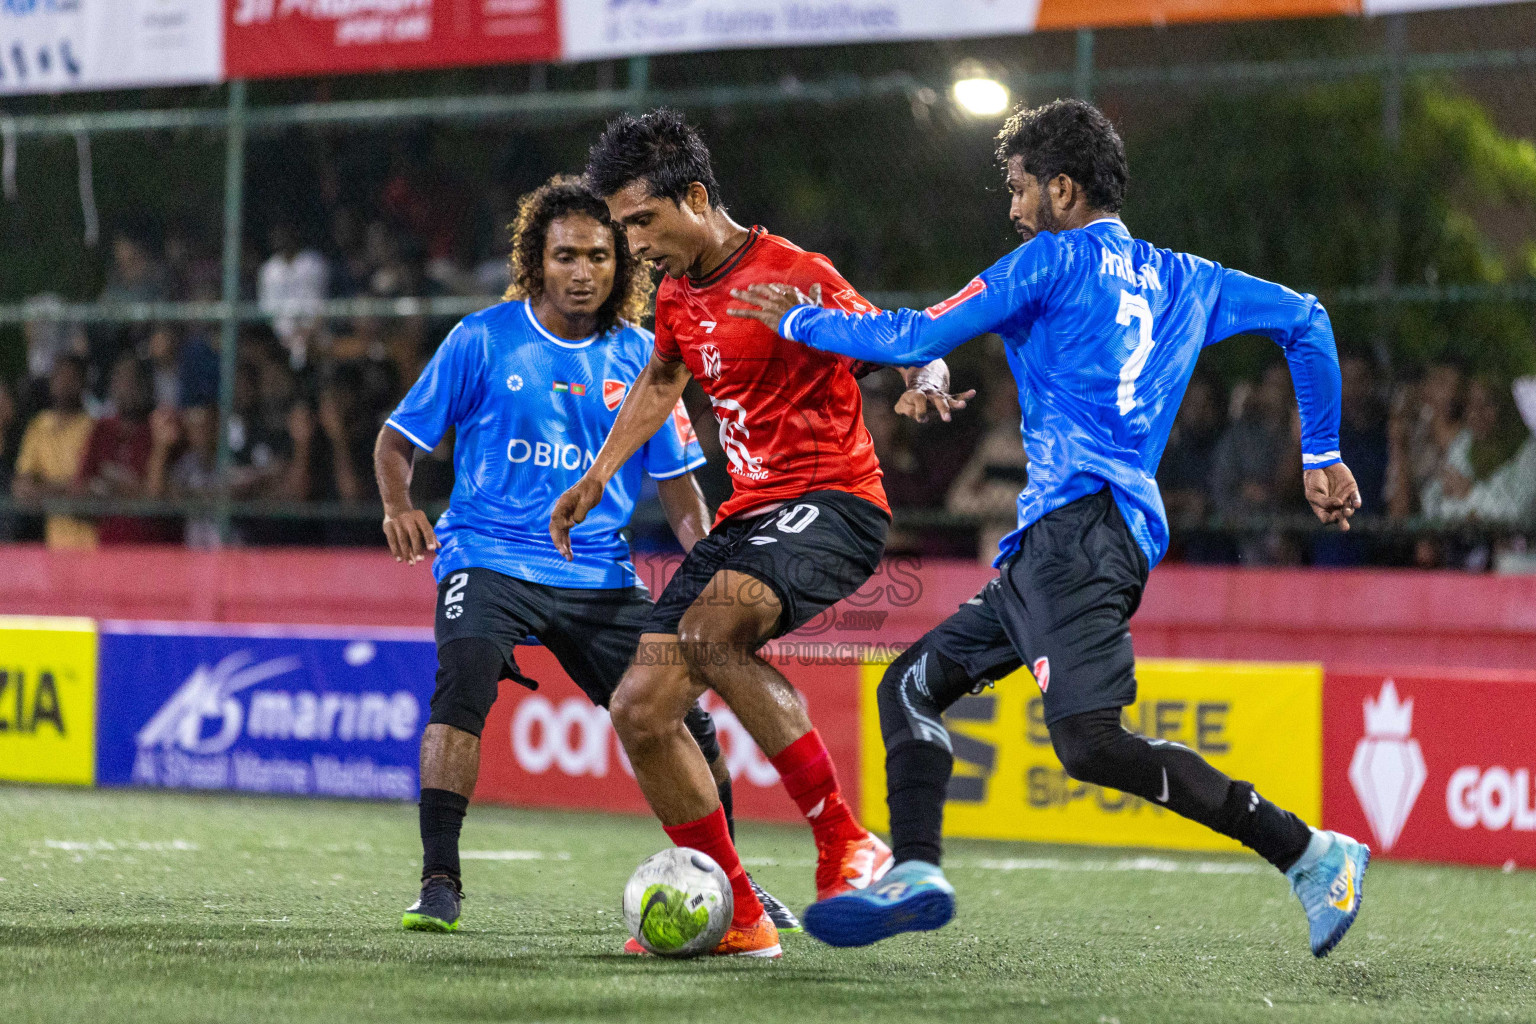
[(335, 713)]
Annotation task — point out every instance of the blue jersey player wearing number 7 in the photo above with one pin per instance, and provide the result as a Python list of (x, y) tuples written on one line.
[(1102, 333)]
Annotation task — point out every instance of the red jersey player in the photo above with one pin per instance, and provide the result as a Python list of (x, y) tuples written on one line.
[(804, 528)]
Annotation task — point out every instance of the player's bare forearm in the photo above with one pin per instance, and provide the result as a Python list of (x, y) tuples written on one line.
[(686, 511), (407, 528), (393, 456), (650, 400)]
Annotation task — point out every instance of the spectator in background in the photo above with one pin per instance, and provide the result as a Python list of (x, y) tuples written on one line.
[(52, 450), (162, 351), (1363, 433), (1247, 460), (989, 485), (1489, 475), (268, 460), (1425, 421), (197, 370), (1184, 475), (193, 474), (349, 262), (47, 339), (116, 459), (291, 285), (1256, 468), (134, 276), (192, 272)]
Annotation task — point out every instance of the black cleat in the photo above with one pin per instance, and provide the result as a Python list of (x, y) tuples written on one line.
[(782, 917), (437, 908)]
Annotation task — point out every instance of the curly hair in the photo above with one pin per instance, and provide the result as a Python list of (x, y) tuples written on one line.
[(1073, 138), (660, 148), (564, 196)]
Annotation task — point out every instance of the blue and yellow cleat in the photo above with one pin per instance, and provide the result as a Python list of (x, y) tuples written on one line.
[(437, 908), (1329, 879), (913, 897)]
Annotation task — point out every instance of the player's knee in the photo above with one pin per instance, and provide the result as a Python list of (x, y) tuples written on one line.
[(468, 670), (710, 637), (642, 708), (1088, 744)]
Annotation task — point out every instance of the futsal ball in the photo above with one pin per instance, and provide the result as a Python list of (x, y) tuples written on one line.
[(678, 903)]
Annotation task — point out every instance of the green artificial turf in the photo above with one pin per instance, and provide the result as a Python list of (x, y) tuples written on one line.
[(135, 906)]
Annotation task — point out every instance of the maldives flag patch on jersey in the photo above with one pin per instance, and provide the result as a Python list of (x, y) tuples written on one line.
[(568, 387), (970, 291), (613, 393)]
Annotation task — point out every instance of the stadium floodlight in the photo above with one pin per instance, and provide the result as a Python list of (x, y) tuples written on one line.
[(978, 93)]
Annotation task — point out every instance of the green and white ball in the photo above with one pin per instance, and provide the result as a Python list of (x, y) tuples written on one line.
[(678, 903)]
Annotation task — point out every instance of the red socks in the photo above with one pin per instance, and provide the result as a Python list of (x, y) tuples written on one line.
[(806, 770), (711, 835)]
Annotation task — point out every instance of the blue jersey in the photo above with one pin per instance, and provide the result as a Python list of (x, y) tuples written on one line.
[(531, 411), (1102, 333)]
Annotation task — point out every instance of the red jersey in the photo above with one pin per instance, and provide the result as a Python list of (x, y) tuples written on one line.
[(791, 417)]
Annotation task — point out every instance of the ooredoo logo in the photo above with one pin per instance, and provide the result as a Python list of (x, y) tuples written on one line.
[(1387, 770), (578, 739)]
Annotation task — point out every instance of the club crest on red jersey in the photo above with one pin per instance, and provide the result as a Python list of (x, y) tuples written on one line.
[(970, 291), (613, 393), (710, 356), (1043, 673)]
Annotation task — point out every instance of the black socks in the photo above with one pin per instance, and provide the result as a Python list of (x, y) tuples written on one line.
[(1094, 747), (442, 815), (917, 781)]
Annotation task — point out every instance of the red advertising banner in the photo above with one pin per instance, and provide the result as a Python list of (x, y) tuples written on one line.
[(553, 748), (1433, 765), (278, 38)]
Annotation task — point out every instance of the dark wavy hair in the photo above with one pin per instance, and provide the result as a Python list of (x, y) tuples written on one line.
[(660, 148), (1073, 138), (563, 196)]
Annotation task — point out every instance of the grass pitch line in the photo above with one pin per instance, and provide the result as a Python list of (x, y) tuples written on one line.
[(1155, 864), (108, 846), (512, 855)]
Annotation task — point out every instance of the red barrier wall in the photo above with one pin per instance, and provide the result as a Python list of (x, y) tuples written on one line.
[(1432, 765), (552, 748), (1333, 616)]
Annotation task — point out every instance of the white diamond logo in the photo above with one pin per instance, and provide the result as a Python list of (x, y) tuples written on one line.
[(1387, 770)]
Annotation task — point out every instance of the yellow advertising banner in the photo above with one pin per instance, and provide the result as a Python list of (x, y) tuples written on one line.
[(47, 700), (1255, 721)]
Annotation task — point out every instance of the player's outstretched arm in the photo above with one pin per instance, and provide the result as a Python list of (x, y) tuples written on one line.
[(1011, 287), (686, 511), (407, 529), (646, 407)]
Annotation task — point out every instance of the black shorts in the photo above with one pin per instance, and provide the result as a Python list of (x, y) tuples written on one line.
[(1061, 605), (811, 553), (592, 633)]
